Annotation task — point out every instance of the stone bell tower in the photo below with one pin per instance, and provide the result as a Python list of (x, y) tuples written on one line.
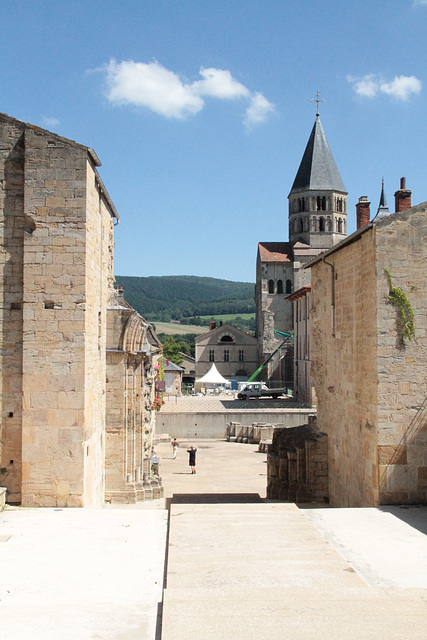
[(318, 199)]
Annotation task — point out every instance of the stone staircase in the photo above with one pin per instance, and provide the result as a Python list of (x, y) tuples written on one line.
[(262, 570)]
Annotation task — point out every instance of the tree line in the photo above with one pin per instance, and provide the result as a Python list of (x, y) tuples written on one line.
[(165, 298)]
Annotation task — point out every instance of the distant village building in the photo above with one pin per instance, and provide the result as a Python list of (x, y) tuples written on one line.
[(369, 357), (189, 365), (77, 364), (234, 352), (173, 378), (317, 221)]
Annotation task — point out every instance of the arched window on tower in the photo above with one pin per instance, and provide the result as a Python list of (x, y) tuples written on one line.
[(280, 286), (339, 205), (321, 224), (319, 204), (323, 203), (301, 225), (271, 286), (339, 225), (288, 286)]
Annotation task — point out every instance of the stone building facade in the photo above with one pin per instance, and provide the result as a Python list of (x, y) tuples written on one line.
[(133, 351), (234, 352), (57, 238), (317, 219), (173, 377), (303, 389), (369, 378)]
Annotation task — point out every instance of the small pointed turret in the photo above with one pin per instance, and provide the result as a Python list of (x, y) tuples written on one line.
[(383, 209)]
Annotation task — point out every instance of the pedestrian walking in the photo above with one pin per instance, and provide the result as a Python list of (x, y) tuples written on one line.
[(174, 445), (192, 458)]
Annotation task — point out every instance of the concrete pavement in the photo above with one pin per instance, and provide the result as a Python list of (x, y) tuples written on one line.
[(238, 566), (243, 567), (71, 574)]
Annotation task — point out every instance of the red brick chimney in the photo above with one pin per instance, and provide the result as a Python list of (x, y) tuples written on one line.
[(402, 198), (212, 325), (363, 211)]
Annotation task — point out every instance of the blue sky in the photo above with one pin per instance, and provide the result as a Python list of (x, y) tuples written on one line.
[(200, 111)]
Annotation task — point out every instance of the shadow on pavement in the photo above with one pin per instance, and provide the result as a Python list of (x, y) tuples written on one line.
[(215, 498), (263, 403), (414, 515)]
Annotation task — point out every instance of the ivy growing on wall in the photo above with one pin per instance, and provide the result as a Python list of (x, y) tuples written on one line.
[(398, 297)]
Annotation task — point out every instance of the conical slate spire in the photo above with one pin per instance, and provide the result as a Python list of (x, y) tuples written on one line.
[(382, 207), (318, 169)]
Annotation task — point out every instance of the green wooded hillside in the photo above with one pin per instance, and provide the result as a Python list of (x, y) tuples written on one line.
[(175, 297)]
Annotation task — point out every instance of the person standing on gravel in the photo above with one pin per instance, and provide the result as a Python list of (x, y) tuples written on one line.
[(174, 445), (192, 458)]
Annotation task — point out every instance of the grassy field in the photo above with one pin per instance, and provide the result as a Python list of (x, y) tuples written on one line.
[(172, 329)]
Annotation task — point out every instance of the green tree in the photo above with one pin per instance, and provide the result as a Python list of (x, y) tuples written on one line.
[(171, 349)]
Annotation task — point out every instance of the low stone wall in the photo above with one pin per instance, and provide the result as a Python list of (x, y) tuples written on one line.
[(259, 433), (297, 465), (213, 425)]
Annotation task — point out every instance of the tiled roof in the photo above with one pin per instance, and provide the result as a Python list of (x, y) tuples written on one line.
[(300, 292), (168, 365), (275, 251)]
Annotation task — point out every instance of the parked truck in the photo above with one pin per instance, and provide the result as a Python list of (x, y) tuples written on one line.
[(259, 390)]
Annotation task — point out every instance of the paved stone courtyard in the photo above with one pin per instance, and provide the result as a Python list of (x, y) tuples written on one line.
[(225, 402), (237, 565)]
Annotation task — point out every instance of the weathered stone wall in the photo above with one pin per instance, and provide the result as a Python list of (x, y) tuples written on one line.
[(344, 369), (12, 229), (372, 396), (57, 231), (401, 247), (63, 355), (297, 465), (99, 278), (130, 421)]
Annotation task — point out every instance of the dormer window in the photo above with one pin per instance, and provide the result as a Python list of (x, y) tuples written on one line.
[(226, 339)]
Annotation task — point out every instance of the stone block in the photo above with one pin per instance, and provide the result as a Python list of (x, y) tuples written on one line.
[(392, 455), (422, 478)]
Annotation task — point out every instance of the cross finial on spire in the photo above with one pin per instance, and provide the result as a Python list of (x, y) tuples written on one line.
[(318, 100)]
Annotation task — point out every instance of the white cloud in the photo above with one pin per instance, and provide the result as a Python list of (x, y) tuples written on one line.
[(420, 3), (50, 122), (219, 83), (366, 86), (401, 87), (162, 91), (151, 85), (258, 110)]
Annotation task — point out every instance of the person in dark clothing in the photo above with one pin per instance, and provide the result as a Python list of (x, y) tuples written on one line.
[(192, 458)]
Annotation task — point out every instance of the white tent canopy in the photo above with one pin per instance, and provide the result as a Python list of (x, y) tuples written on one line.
[(213, 376)]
